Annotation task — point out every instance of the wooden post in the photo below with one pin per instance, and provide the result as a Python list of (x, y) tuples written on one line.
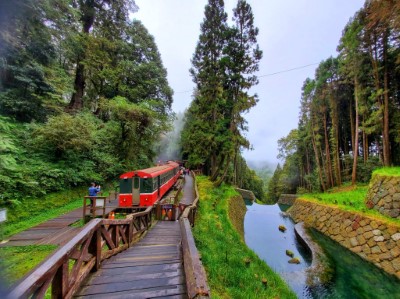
[(84, 209), (60, 281), (95, 247)]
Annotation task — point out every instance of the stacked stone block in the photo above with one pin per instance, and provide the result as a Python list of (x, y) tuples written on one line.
[(373, 240), (384, 195), (287, 199)]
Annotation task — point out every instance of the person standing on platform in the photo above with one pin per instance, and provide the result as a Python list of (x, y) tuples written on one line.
[(94, 190)]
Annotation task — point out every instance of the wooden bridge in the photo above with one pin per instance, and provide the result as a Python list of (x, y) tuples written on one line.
[(111, 259)]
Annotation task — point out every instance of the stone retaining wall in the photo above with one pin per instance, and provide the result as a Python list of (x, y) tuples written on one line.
[(246, 194), (384, 195), (287, 199), (373, 240), (237, 212)]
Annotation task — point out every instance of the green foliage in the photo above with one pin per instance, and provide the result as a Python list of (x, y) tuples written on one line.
[(224, 253), (274, 189), (65, 135), (120, 102), (349, 112), (137, 128), (28, 54)]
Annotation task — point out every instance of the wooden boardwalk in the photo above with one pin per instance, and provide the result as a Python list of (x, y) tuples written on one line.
[(152, 268), (56, 231), (188, 192)]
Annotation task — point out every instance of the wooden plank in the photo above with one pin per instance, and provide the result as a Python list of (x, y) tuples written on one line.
[(122, 277), (130, 285), (18, 243), (61, 236), (140, 267), (178, 290), (141, 254)]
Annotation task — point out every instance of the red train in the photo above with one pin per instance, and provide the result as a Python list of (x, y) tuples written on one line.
[(144, 187)]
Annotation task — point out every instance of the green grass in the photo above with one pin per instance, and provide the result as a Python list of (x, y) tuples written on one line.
[(224, 254), (387, 171), (46, 214), (17, 261), (348, 198), (32, 212)]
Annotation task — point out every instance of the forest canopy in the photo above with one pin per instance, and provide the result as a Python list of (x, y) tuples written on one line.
[(84, 95)]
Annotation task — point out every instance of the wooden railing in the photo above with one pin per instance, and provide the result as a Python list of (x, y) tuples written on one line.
[(166, 204), (196, 278), (100, 239), (70, 265), (93, 204)]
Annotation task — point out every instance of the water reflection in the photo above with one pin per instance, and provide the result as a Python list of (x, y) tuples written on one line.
[(353, 277), (262, 235)]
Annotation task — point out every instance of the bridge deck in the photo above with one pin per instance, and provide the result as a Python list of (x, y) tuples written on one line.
[(188, 193), (56, 231), (150, 269)]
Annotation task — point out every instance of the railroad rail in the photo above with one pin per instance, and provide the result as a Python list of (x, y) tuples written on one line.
[(100, 239)]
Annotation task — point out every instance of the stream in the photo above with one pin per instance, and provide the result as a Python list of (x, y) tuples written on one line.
[(352, 276)]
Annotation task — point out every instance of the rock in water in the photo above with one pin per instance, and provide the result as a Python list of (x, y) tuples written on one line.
[(294, 260), (282, 228), (289, 253)]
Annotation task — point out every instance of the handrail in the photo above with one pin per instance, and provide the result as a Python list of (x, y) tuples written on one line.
[(96, 203), (196, 278), (66, 268)]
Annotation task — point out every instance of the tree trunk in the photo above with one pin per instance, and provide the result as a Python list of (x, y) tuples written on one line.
[(352, 126), (385, 134), (88, 14), (214, 176), (328, 154), (213, 165), (355, 151), (235, 169), (365, 145), (222, 177), (318, 162)]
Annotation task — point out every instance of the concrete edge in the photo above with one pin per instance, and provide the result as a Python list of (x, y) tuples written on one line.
[(319, 272)]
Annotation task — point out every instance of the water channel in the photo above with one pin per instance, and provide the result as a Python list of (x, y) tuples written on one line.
[(352, 277)]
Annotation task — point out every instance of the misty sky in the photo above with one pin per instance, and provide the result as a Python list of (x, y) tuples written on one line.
[(292, 34)]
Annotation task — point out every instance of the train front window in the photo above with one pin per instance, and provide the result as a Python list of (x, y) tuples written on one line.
[(125, 186), (136, 183)]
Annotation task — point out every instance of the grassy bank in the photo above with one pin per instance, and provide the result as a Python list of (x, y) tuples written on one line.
[(17, 261), (387, 171), (224, 254), (34, 211), (348, 198)]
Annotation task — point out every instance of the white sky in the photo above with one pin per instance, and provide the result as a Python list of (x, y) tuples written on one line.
[(292, 34)]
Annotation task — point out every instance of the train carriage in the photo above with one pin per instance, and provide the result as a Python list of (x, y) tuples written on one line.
[(144, 187)]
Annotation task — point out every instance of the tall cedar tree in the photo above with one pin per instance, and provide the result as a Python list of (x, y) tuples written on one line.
[(240, 61), (207, 73), (223, 69)]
